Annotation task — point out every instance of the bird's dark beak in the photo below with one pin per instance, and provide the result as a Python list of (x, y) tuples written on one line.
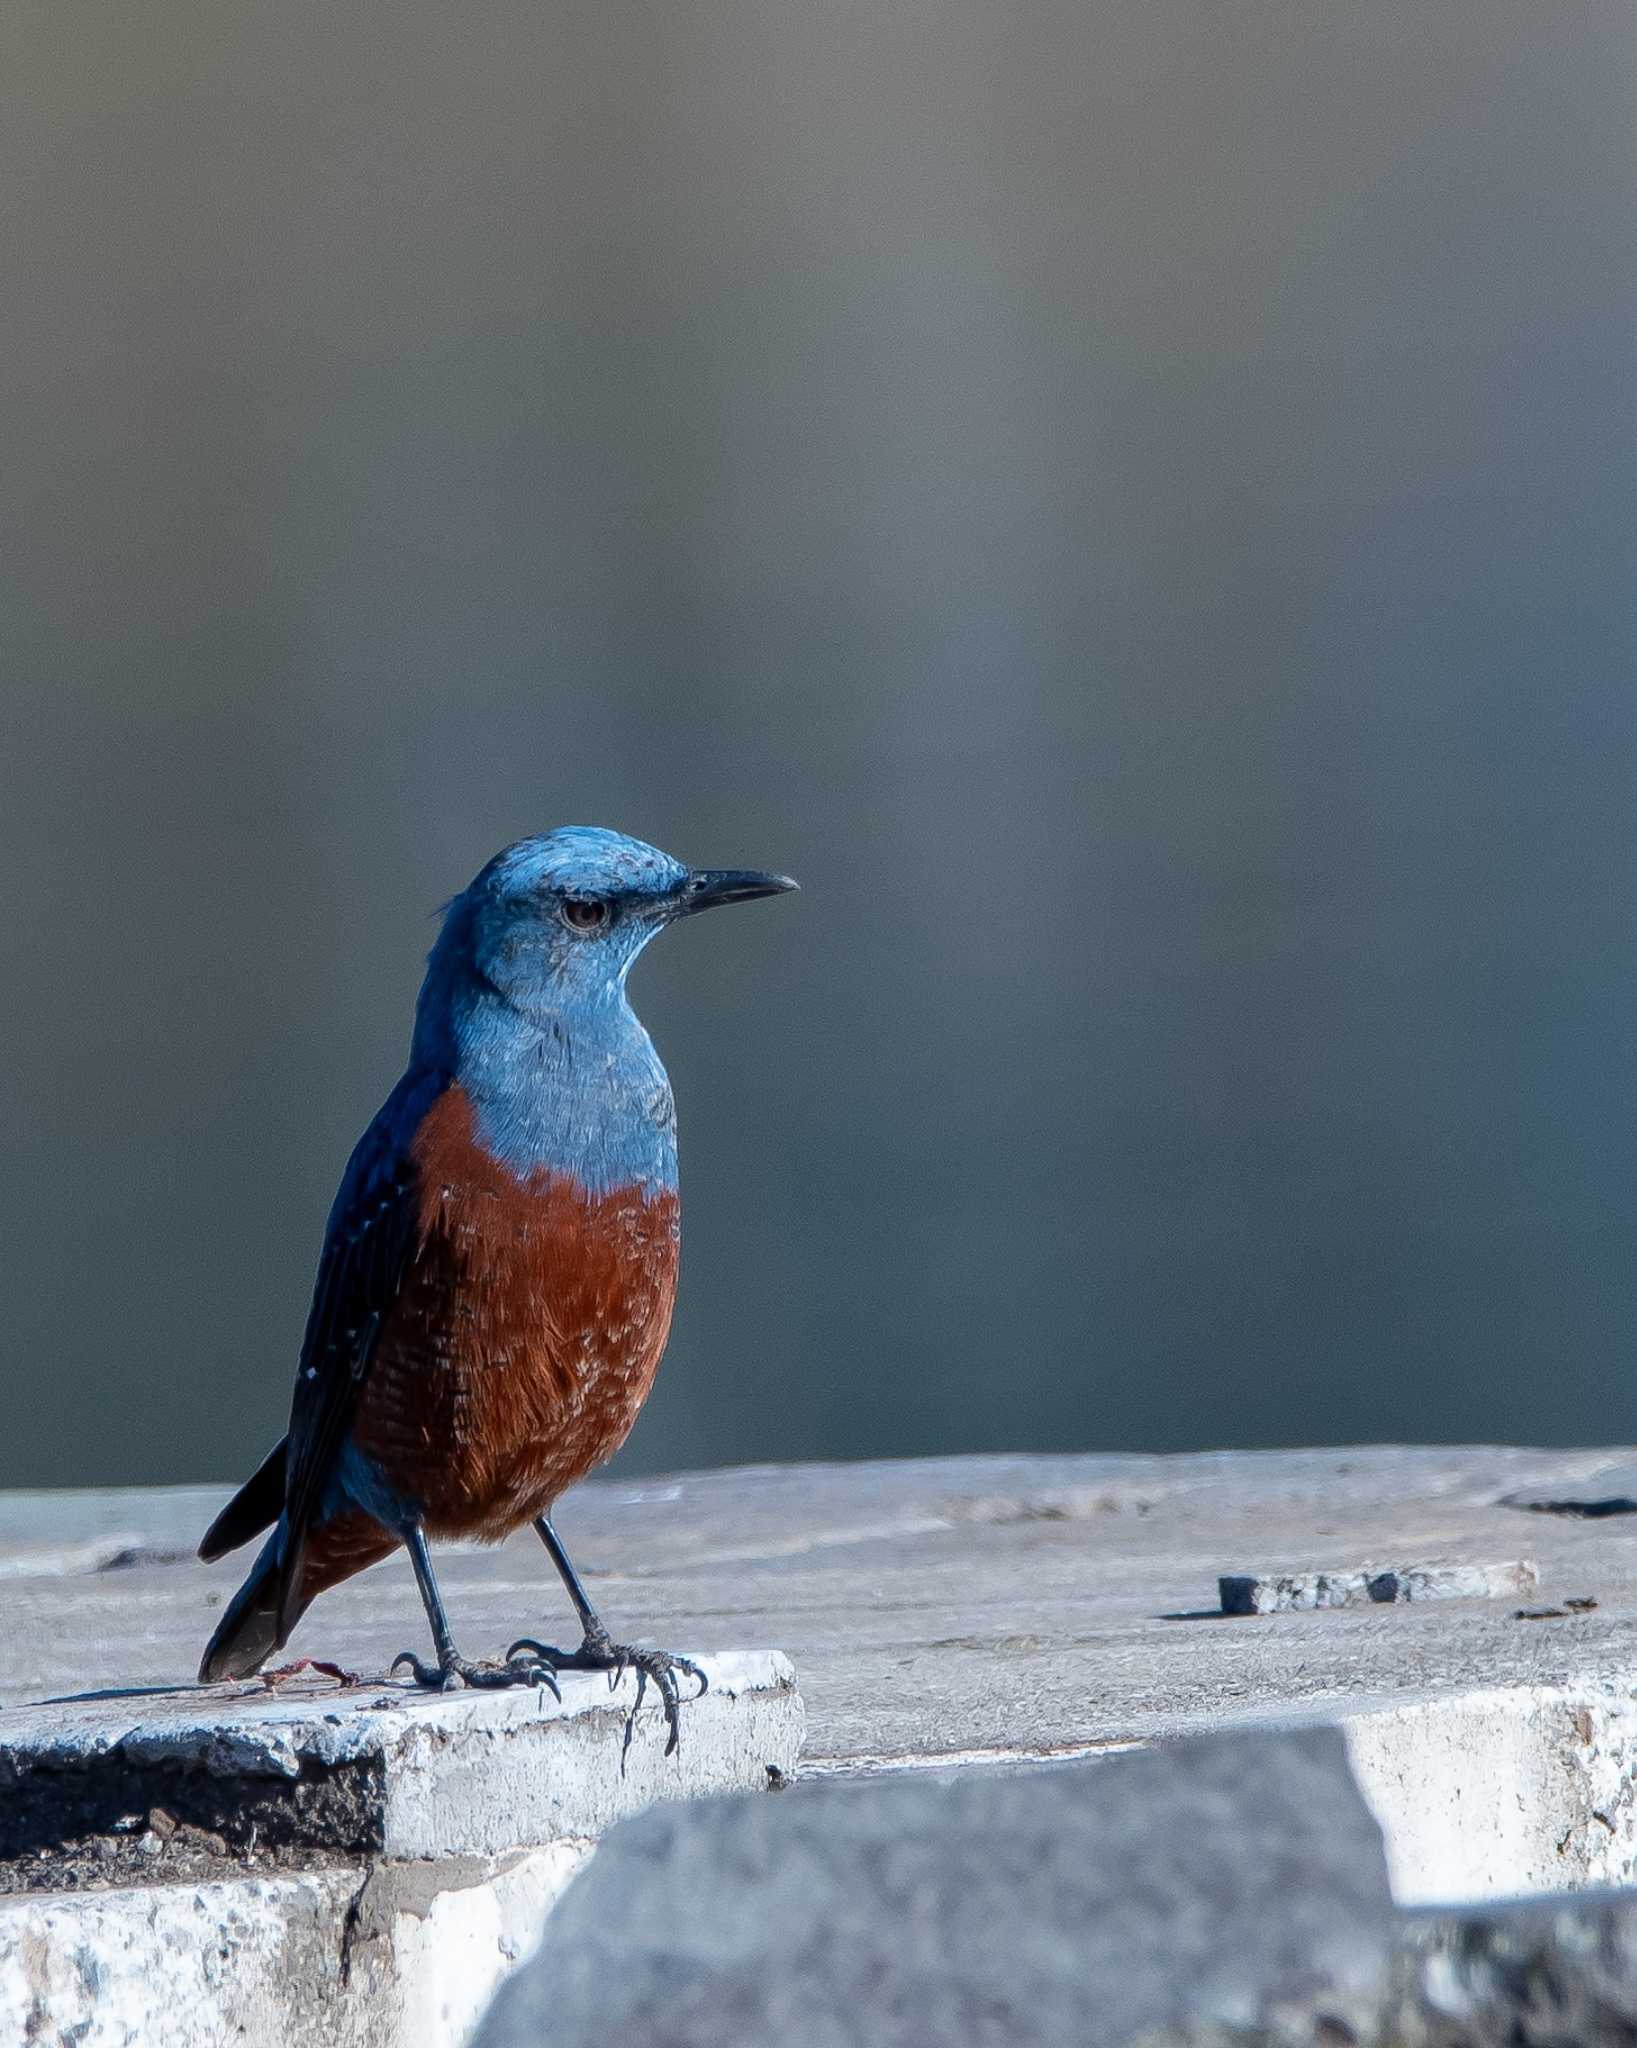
[(705, 888)]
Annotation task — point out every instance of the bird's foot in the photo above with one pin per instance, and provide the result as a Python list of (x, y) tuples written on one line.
[(600, 1653), (452, 1672)]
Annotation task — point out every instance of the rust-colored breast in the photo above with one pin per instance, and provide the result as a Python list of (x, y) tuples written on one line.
[(525, 1336)]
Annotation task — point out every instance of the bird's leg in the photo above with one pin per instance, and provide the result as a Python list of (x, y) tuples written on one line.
[(599, 1652), (452, 1669)]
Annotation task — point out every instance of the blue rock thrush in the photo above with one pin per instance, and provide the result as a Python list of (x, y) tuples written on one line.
[(497, 1278)]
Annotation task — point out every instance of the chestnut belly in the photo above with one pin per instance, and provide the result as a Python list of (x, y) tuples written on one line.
[(521, 1347)]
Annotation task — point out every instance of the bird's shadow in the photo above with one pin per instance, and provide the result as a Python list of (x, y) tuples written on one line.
[(119, 1692)]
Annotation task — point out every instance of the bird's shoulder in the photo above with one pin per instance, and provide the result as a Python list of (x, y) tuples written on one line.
[(381, 1176), (370, 1232)]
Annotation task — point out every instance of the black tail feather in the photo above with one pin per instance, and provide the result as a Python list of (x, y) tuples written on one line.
[(249, 1632), (256, 1506)]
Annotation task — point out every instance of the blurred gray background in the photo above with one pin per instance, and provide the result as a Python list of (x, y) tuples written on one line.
[(1134, 505)]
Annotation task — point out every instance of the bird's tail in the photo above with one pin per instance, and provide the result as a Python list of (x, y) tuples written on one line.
[(253, 1508), (250, 1631)]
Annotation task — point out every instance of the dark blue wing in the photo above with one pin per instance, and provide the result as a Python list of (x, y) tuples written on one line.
[(373, 1233)]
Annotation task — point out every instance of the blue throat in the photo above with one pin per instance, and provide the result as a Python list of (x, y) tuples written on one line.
[(569, 1085), (583, 1094)]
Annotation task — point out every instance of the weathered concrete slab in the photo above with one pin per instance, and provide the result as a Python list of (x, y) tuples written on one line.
[(353, 1865), (1231, 1885), (1002, 1605), (940, 1913), (383, 1770), (385, 1956), (1243, 1593), (1549, 1974), (1504, 1791), (99, 1969), (978, 1609), (984, 1611)]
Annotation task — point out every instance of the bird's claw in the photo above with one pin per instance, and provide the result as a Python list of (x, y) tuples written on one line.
[(539, 1666), (453, 1672), (600, 1653), (434, 1677), (543, 1651), (535, 1671)]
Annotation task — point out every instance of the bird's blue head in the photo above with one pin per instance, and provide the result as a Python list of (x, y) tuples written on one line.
[(553, 923), (524, 1002)]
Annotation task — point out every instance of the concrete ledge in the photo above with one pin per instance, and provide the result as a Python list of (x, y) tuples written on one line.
[(378, 1770), (357, 1865), (1226, 1891), (1497, 1793), (1225, 1888), (392, 1956), (375, 1770), (950, 1618), (1549, 1973)]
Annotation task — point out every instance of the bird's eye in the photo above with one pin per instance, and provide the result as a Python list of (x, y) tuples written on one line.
[(585, 913)]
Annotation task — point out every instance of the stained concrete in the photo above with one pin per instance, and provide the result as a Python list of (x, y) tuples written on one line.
[(986, 1613), (1552, 1973), (382, 1956), (356, 1865), (1233, 1883), (1381, 1585), (385, 1769), (996, 1606)]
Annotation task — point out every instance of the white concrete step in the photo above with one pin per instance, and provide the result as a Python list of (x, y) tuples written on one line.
[(355, 1865)]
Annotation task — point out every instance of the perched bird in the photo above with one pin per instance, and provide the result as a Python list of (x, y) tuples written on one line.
[(497, 1277)]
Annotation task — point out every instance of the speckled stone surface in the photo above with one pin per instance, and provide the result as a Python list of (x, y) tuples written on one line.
[(1233, 1882), (945, 1606), (950, 1619), (386, 1769)]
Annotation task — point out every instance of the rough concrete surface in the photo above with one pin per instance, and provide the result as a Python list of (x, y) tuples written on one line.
[(389, 1956), (1003, 1605), (990, 1612), (997, 1608), (1235, 1883), (373, 1859), (1292, 1592), (383, 1769), (1503, 1791), (122, 1970), (1558, 1973)]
